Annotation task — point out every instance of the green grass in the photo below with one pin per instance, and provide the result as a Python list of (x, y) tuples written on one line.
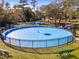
[(45, 53), (49, 53), (24, 55)]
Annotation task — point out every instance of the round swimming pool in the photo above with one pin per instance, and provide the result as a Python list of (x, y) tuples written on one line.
[(37, 37)]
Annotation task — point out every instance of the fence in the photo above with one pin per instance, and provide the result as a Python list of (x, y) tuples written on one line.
[(38, 43)]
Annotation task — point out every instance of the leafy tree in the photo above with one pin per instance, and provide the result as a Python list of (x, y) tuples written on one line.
[(7, 5), (1, 8), (28, 14)]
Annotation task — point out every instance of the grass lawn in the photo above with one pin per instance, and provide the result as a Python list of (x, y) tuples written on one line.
[(48, 53), (24, 55)]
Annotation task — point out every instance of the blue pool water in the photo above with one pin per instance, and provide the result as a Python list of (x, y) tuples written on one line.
[(37, 37)]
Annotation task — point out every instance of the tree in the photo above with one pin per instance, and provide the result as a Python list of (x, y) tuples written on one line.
[(7, 5), (15, 6), (34, 3), (1, 8), (28, 14)]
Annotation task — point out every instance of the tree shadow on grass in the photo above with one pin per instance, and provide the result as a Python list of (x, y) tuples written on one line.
[(68, 56)]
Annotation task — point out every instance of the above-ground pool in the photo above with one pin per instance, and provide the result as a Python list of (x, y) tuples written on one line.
[(37, 37)]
